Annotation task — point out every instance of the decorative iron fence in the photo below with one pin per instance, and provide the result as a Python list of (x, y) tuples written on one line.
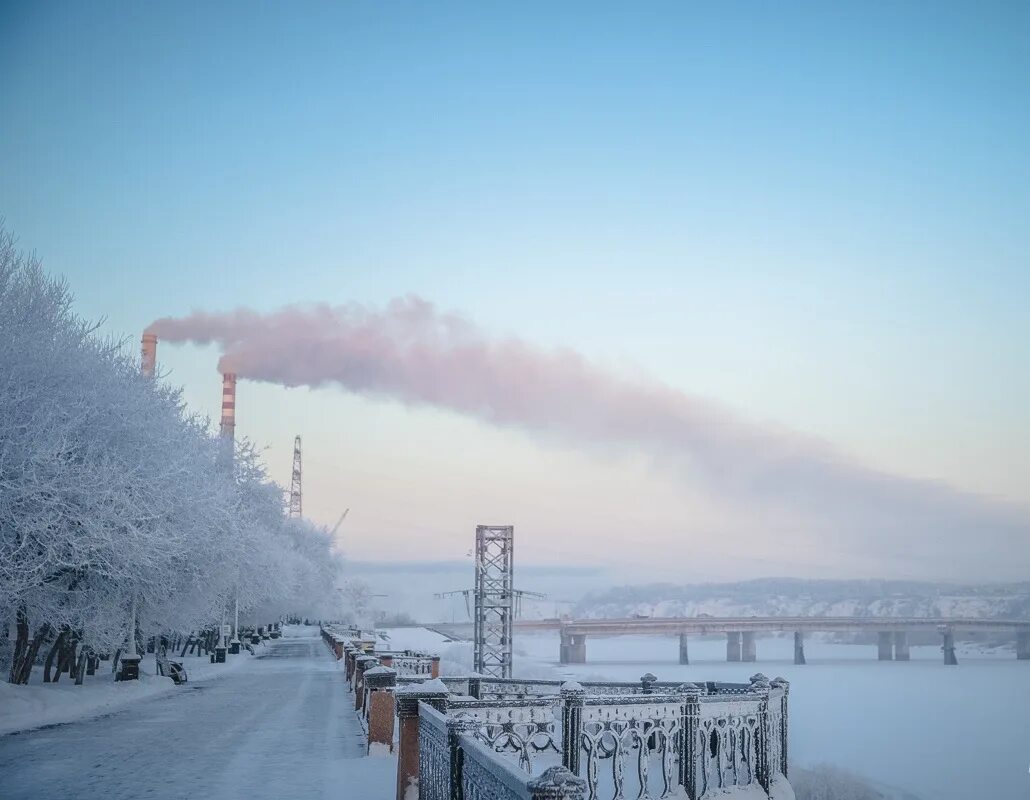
[(434, 755), (454, 764), (633, 742)]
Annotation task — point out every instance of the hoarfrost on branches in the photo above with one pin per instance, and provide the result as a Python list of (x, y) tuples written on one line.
[(113, 495)]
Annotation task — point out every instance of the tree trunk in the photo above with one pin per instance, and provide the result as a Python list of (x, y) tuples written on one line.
[(80, 669), (73, 644), (21, 644), (49, 663), (29, 659)]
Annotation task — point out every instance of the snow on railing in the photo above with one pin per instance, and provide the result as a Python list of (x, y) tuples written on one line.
[(485, 777), (453, 763), (434, 755), (627, 740)]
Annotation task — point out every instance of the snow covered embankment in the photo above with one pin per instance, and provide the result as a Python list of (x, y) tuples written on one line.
[(40, 704)]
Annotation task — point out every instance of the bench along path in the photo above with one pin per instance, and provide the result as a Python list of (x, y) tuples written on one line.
[(283, 727)]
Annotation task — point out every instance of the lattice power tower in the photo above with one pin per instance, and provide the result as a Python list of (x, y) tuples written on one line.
[(295, 483), (495, 600)]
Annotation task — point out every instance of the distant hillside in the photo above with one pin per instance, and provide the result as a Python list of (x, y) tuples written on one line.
[(791, 596)]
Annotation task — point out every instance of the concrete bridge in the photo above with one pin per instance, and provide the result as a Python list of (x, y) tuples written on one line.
[(892, 632)]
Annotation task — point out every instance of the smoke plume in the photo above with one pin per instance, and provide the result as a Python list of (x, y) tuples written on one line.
[(792, 485)]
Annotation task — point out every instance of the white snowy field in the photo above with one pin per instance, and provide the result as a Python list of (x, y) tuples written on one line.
[(946, 733)]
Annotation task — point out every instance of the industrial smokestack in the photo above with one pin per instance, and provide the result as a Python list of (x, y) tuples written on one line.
[(148, 362), (228, 427)]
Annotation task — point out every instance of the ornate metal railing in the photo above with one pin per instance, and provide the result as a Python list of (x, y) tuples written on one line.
[(434, 755), (635, 742), (455, 764), (485, 777), (527, 729), (457, 685), (636, 739), (516, 688), (483, 688), (413, 665)]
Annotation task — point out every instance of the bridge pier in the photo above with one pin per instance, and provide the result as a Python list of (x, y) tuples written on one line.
[(684, 654), (949, 647), (733, 650), (749, 652), (885, 646), (578, 649), (564, 648), (901, 646), (1023, 645), (799, 647)]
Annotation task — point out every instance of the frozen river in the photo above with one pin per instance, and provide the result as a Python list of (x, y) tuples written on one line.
[(940, 733)]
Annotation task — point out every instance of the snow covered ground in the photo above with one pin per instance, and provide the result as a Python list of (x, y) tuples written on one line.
[(39, 704), (930, 731), (281, 726)]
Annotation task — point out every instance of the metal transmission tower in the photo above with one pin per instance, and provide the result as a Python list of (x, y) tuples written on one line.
[(295, 494), (495, 600)]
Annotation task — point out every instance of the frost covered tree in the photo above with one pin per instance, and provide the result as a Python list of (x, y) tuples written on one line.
[(115, 501)]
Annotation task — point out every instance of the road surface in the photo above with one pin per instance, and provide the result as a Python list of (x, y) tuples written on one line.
[(281, 727)]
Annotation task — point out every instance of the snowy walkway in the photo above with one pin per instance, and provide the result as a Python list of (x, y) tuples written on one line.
[(284, 727)]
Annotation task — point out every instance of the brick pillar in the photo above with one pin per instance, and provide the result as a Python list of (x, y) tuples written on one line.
[(434, 667), (408, 698), (684, 652), (351, 653), (884, 646), (380, 682), (799, 647), (749, 652), (386, 660), (901, 646), (733, 652), (361, 663)]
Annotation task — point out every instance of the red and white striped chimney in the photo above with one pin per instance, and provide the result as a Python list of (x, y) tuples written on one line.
[(148, 361), (228, 428)]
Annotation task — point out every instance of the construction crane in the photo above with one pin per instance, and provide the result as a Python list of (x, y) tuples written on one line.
[(339, 522), (295, 483)]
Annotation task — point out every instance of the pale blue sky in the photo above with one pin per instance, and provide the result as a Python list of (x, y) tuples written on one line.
[(814, 213)]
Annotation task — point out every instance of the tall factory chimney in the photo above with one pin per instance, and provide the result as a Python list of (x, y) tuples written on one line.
[(148, 362), (228, 428)]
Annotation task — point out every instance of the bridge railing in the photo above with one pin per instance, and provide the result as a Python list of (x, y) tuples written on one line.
[(687, 741)]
